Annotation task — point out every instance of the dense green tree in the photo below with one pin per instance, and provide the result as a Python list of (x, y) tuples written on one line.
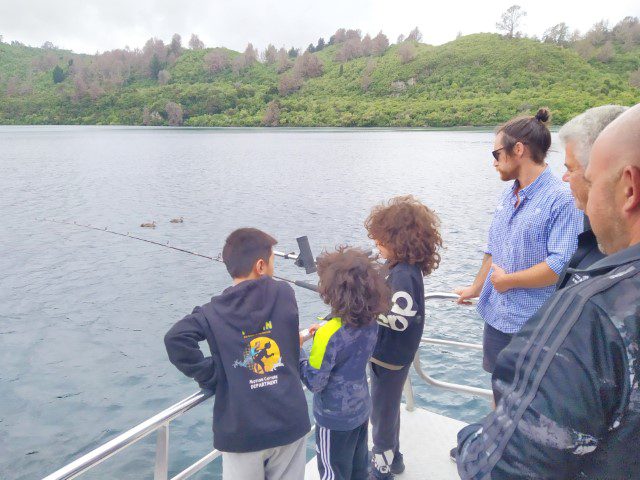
[(58, 74)]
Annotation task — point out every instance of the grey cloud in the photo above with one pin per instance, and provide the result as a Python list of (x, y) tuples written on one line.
[(87, 26)]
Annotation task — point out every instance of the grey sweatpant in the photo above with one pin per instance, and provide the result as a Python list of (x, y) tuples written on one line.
[(386, 393), (278, 463)]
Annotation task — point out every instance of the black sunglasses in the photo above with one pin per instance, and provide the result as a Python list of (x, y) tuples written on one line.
[(496, 153)]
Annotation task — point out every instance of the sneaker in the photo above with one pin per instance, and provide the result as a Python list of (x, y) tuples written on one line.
[(380, 467), (397, 466), (453, 454)]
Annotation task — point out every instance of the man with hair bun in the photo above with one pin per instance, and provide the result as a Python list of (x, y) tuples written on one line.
[(566, 388), (577, 137), (532, 235)]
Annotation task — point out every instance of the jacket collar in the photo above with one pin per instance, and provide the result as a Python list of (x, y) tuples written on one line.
[(628, 255)]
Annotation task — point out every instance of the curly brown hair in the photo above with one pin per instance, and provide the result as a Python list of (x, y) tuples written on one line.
[(409, 230), (353, 285)]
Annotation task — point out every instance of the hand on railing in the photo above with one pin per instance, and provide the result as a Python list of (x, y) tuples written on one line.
[(465, 294), (446, 296)]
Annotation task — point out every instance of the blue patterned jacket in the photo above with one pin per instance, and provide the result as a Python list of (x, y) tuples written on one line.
[(336, 374)]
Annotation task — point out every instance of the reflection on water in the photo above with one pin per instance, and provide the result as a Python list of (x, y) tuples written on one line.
[(82, 314)]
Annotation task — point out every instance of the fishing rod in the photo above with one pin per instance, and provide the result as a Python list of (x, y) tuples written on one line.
[(304, 259)]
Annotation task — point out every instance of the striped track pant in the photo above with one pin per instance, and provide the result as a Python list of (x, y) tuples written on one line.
[(342, 455)]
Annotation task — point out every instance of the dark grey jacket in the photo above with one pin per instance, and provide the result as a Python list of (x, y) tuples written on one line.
[(585, 255), (252, 332), (566, 387)]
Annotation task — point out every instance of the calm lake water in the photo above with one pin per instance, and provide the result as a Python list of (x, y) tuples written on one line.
[(83, 313)]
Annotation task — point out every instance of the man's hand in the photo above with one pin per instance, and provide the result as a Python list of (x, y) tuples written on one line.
[(466, 293), (500, 279)]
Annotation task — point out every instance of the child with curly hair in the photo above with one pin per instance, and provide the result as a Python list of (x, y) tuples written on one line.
[(406, 234), (353, 286)]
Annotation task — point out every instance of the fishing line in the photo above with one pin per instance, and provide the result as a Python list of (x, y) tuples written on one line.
[(299, 283)]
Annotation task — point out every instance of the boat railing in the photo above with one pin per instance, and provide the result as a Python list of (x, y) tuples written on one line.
[(160, 422), (417, 363)]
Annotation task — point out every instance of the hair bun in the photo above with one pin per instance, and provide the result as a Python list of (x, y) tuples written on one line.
[(543, 115)]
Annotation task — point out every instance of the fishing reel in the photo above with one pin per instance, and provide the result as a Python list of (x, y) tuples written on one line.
[(304, 259)]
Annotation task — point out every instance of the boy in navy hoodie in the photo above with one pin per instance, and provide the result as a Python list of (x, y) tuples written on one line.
[(260, 417), (406, 234), (353, 286)]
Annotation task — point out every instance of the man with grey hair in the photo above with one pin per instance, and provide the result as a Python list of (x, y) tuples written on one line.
[(566, 388), (577, 137)]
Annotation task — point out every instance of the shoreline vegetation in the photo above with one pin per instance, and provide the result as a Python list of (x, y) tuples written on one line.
[(351, 80)]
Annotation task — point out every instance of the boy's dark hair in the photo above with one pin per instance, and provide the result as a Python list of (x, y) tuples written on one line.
[(353, 285), (532, 131), (409, 230), (243, 248)]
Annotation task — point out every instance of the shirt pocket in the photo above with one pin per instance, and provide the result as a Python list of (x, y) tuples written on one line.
[(532, 247)]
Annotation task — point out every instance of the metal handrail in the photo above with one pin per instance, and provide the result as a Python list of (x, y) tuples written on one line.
[(417, 364), (160, 422), (131, 436), (456, 387)]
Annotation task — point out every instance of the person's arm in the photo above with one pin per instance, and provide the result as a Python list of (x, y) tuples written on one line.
[(316, 368), (538, 276), (181, 342), (473, 290), (567, 223), (545, 435)]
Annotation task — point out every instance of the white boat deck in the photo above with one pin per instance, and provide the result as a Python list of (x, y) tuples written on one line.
[(425, 441)]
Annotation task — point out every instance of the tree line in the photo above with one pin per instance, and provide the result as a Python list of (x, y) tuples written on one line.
[(257, 84), (93, 75)]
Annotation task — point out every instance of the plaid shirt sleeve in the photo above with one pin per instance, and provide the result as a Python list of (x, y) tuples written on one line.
[(566, 224)]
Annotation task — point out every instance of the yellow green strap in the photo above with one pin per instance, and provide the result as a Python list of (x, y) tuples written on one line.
[(321, 340)]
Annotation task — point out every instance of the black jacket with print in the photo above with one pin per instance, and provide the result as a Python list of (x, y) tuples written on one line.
[(566, 387), (401, 329), (252, 332)]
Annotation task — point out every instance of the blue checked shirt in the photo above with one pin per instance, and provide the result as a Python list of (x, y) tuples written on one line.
[(543, 228)]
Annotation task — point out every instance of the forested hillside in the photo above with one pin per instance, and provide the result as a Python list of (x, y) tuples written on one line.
[(350, 80)]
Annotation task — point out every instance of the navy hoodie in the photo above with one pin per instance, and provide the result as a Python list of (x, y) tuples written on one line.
[(252, 332), (401, 329)]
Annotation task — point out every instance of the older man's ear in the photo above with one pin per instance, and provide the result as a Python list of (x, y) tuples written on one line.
[(631, 182)]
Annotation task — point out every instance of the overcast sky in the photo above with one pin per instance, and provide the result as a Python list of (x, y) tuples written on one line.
[(87, 26)]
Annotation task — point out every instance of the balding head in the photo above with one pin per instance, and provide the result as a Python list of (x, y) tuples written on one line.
[(622, 137), (614, 177)]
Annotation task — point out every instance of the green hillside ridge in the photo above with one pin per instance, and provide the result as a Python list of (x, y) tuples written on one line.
[(479, 79)]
